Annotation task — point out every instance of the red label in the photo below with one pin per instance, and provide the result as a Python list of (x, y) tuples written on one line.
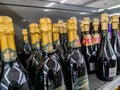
[(96, 38), (87, 40)]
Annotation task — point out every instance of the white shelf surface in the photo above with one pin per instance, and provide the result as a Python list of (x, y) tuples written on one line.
[(96, 84)]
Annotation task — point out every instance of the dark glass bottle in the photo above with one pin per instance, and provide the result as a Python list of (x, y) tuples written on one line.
[(95, 39), (56, 44), (75, 71), (26, 49), (49, 74), (63, 36), (106, 59), (13, 77), (115, 41), (36, 55), (87, 47)]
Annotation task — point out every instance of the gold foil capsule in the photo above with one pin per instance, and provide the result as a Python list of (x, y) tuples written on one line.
[(45, 24), (55, 27), (24, 32), (72, 23), (115, 22)]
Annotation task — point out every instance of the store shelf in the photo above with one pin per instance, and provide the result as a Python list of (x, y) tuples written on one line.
[(96, 84)]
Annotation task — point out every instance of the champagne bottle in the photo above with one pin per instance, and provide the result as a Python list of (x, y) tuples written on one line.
[(56, 44), (13, 75), (49, 75), (87, 47), (82, 30), (106, 59), (26, 49), (95, 38), (115, 41), (36, 54), (76, 72), (63, 36)]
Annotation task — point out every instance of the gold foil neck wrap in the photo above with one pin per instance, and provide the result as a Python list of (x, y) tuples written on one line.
[(115, 22), (65, 28), (72, 24), (95, 24), (61, 26), (45, 24), (82, 26), (86, 22), (33, 27), (55, 28), (104, 21)]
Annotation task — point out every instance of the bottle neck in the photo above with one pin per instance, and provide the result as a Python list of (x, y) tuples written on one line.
[(104, 34), (73, 40), (8, 49), (47, 42), (56, 39), (35, 41), (25, 38), (114, 32)]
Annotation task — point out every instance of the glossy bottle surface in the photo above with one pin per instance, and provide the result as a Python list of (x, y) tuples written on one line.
[(49, 73), (106, 59), (14, 77), (75, 71)]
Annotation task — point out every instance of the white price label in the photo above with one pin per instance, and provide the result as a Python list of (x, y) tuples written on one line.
[(112, 72), (92, 66)]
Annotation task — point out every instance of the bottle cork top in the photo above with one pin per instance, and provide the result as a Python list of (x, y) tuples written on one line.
[(104, 17), (24, 32), (115, 19), (55, 27), (45, 24), (33, 27), (95, 21), (72, 23), (86, 20)]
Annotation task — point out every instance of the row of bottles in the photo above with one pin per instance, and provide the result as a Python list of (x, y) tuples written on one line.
[(57, 58)]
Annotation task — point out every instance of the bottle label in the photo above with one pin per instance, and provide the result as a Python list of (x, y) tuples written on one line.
[(61, 88), (36, 45), (8, 55), (75, 43), (112, 72), (81, 83), (48, 48), (87, 40), (57, 42), (92, 66), (13, 74), (96, 38)]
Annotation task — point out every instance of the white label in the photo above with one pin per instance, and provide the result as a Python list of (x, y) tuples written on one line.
[(112, 72), (92, 66)]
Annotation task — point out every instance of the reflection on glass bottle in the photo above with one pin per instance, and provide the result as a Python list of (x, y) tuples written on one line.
[(36, 54), (115, 41), (14, 77), (106, 65), (75, 71), (87, 47), (49, 74), (95, 39), (26, 49)]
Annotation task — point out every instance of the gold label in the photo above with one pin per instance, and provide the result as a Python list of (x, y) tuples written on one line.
[(48, 48), (74, 43), (57, 42), (96, 39), (87, 40), (36, 45), (8, 55)]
